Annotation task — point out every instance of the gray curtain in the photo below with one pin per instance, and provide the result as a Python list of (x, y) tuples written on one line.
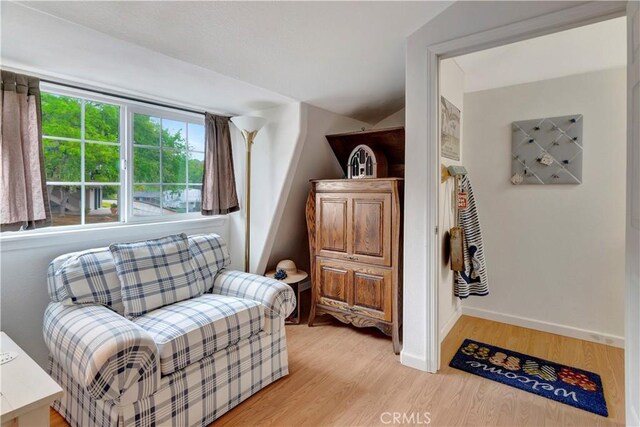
[(219, 196), (23, 195)]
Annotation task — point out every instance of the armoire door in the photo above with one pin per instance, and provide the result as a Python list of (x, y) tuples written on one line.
[(372, 292), (333, 281), (371, 228), (332, 222)]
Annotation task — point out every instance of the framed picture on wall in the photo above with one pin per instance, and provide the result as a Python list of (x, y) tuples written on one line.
[(450, 128)]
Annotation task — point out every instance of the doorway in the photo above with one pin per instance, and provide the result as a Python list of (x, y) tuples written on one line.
[(540, 126), (424, 50)]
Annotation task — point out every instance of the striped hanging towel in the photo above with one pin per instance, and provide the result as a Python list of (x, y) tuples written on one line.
[(473, 280)]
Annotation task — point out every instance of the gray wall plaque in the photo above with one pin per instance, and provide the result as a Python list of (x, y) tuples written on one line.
[(547, 151)]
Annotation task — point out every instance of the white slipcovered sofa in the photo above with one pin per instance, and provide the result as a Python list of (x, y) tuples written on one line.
[(182, 363)]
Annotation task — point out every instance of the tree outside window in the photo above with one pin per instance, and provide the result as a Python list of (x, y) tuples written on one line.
[(83, 149)]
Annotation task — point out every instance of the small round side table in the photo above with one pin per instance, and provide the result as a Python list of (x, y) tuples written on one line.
[(298, 288), (297, 279)]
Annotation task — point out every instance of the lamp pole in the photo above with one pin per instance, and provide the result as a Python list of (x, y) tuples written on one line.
[(249, 126), (248, 137)]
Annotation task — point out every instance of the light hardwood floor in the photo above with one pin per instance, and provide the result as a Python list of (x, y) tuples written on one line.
[(341, 376)]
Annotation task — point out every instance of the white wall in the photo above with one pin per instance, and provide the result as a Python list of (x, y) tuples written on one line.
[(289, 151), (24, 262), (314, 161), (39, 43), (394, 120), (449, 308), (594, 47), (555, 254), (274, 151)]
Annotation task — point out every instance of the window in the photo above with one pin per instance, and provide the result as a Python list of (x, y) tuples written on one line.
[(112, 161), (81, 144), (168, 161)]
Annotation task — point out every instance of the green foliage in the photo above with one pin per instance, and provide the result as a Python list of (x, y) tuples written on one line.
[(62, 160), (146, 165), (147, 131), (196, 168), (61, 117), (102, 162), (102, 122), (174, 166)]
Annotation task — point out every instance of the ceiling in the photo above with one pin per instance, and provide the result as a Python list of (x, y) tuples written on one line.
[(580, 50), (346, 57)]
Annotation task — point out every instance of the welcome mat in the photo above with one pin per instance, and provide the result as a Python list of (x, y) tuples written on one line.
[(571, 386)]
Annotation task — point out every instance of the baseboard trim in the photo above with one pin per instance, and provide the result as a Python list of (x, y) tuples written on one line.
[(539, 325), (415, 362), (444, 331)]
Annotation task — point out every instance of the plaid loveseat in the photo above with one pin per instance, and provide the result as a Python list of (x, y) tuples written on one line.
[(182, 364)]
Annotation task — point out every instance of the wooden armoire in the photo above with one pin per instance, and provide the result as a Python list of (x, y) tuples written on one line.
[(355, 240)]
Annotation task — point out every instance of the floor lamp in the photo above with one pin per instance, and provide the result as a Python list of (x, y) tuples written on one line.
[(249, 126)]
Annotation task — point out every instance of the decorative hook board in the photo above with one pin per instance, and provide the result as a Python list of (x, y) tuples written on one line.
[(547, 151)]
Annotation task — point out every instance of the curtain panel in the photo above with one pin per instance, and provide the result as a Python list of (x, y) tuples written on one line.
[(219, 196), (23, 195)]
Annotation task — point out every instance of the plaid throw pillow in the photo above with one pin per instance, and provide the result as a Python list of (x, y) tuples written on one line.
[(155, 273), (89, 277), (209, 255)]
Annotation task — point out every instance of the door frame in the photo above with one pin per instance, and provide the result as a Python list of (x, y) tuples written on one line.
[(573, 17), (632, 294)]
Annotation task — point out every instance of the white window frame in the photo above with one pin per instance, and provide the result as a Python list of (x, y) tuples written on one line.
[(162, 113), (127, 110)]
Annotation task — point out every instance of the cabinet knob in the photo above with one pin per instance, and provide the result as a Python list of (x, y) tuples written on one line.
[(352, 258)]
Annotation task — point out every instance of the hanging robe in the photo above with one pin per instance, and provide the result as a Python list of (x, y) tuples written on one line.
[(473, 279)]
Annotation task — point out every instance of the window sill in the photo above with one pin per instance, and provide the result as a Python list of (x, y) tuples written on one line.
[(17, 240)]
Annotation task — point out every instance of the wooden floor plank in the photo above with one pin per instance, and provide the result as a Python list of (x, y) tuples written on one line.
[(344, 376)]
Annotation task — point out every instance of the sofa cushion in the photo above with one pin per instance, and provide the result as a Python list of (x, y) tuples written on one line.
[(87, 277), (90, 277), (187, 331), (209, 254), (155, 273)]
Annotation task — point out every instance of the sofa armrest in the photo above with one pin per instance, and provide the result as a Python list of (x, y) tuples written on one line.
[(277, 297), (102, 351)]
